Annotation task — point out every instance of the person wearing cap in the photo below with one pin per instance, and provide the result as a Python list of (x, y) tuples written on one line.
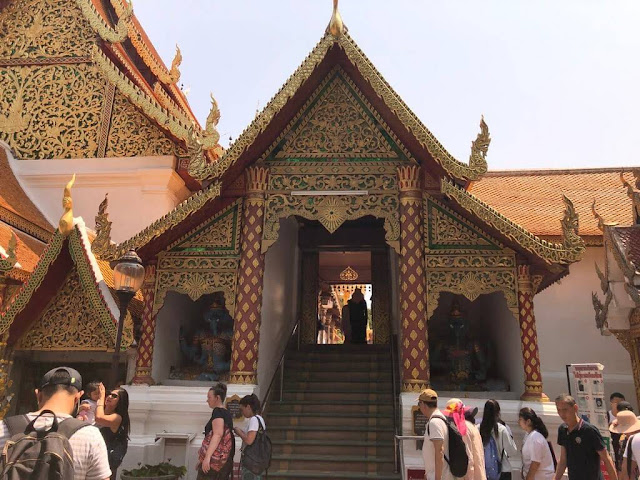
[(625, 426), (456, 410), (436, 438), (60, 391)]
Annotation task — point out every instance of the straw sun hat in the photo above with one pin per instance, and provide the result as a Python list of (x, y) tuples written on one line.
[(625, 422)]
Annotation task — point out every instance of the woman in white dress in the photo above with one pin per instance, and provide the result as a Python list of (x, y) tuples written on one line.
[(537, 454)]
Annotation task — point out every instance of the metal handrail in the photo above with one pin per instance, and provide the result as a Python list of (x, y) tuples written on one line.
[(280, 370), (394, 373)]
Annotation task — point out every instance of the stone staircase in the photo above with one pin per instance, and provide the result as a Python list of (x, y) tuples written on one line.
[(336, 417)]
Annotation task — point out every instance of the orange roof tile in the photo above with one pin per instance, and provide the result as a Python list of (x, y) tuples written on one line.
[(28, 249), (16, 208), (533, 198)]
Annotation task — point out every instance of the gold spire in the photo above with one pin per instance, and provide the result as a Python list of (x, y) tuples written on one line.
[(66, 221), (336, 26)]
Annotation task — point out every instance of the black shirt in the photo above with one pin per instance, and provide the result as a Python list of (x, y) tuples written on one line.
[(222, 413), (582, 445)]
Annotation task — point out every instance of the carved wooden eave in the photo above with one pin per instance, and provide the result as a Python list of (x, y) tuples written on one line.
[(360, 66), (65, 254), (554, 257), (189, 206)]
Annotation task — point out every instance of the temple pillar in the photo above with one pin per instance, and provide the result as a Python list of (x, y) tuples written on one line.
[(415, 345), (246, 327), (144, 360), (529, 339)]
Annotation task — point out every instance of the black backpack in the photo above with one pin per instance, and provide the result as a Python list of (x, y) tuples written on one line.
[(257, 457), (39, 454), (458, 458)]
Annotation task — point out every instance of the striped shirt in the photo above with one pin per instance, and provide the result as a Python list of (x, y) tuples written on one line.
[(90, 460)]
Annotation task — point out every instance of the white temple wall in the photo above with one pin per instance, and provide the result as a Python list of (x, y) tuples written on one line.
[(279, 301), (567, 331), (141, 189)]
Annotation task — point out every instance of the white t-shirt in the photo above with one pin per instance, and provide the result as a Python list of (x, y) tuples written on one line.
[(436, 430), (635, 448), (253, 426), (90, 460), (536, 449)]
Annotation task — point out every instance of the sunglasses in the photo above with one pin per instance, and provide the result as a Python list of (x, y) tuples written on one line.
[(113, 395)]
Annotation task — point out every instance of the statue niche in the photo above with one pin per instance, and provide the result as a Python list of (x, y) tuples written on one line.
[(460, 361), (205, 342)]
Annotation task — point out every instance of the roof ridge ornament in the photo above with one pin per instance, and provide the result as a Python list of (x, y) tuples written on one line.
[(632, 193), (571, 240), (112, 35), (65, 225), (10, 260), (336, 26), (602, 223), (480, 147), (102, 243)]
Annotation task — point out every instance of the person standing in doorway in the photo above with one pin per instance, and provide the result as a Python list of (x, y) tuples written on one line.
[(582, 446), (358, 317)]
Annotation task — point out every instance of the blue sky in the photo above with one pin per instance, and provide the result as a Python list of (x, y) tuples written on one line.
[(557, 81)]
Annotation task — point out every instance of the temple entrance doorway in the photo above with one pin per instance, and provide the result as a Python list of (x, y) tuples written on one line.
[(344, 301), (346, 283)]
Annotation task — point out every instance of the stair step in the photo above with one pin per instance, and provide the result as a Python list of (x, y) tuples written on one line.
[(278, 475), (338, 443), (334, 458), (337, 366), (304, 375), (341, 463), (340, 386), (328, 420), (327, 415)]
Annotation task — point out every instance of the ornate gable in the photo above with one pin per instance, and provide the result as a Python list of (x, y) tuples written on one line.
[(337, 123), (67, 324), (219, 235), (447, 231)]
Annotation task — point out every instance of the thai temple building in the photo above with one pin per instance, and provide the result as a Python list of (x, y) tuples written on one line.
[(478, 283)]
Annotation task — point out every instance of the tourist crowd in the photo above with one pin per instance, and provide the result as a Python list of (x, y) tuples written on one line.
[(455, 447)]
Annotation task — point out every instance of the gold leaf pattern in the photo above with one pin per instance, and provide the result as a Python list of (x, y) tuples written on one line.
[(64, 103)]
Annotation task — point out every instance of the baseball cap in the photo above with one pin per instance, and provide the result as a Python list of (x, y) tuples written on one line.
[(428, 395), (74, 379)]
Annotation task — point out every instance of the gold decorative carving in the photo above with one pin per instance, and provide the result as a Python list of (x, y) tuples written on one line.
[(60, 104), (571, 240), (336, 127), (195, 284), (102, 242), (601, 310), (192, 204), (373, 182), (471, 284), (105, 119), (601, 221), (37, 28), (331, 212), (569, 251), (133, 134), (192, 263), (9, 261), (348, 274), (108, 34), (6, 384), (477, 261), (345, 167), (211, 135), (167, 102), (67, 324), (219, 235), (65, 225), (444, 230), (381, 300), (480, 146)]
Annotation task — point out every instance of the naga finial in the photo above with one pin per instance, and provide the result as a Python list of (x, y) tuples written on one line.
[(174, 73), (65, 225), (336, 26), (571, 240), (480, 147), (8, 262), (102, 243), (211, 136), (632, 193)]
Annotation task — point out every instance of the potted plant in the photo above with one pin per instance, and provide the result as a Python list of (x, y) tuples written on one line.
[(161, 471)]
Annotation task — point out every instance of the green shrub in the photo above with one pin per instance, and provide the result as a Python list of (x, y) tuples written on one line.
[(164, 468)]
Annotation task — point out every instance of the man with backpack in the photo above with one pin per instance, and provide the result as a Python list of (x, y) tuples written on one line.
[(444, 451), (51, 443)]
